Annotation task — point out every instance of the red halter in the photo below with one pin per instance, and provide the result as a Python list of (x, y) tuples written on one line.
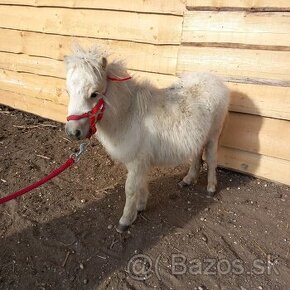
[(96, 113)]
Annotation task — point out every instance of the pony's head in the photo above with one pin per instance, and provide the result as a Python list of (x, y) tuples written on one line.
[(86, 83)]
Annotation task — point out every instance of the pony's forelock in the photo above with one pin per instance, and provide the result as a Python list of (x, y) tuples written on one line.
[(87, 59)]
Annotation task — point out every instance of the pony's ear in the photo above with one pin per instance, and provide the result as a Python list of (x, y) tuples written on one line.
[(104, 63)]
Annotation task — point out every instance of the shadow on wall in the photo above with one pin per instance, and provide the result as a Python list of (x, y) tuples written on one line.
[(239, 142)]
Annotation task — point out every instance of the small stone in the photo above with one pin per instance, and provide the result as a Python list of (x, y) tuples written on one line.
[(85, 281), (204, 238), (265, 184), (82, 266), (203, 219), (228, 188), (83, 200), (260, 287), (110, 227)]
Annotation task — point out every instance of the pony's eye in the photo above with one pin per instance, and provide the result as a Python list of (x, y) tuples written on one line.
[(94, 95)]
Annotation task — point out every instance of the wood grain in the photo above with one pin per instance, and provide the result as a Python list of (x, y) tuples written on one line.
[(150, 6), (41, 87), (263, 100), (117, 25), (43, 108), (265, 136), (138, 56), (237, 63), (254, 164), (237, 27), (249, 4)]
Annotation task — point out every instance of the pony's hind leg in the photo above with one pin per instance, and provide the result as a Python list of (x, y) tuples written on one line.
[(143, 196), (193, 172), (211, 160)]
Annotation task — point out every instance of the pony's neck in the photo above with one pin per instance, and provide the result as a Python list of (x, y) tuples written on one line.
[(118, 99)]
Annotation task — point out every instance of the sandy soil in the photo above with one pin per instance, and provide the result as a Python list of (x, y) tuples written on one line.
[(62, 235)]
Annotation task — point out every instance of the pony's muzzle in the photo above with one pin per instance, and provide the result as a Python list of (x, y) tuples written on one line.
[(75, 131)]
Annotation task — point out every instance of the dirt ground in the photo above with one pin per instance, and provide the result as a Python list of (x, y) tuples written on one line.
[(62, 235)]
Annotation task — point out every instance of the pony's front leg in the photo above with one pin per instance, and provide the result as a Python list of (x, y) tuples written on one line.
[(133, 187)]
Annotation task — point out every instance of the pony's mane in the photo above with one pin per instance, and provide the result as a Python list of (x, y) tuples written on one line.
[(90, 60)]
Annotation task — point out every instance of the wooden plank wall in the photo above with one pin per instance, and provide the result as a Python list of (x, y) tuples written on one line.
[(36, 34), (247, 42)]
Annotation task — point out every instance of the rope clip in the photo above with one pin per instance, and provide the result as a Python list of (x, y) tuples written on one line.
[(77, 156)]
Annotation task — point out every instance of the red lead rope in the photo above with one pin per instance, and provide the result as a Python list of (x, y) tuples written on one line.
[(45, 179), (74, 158)]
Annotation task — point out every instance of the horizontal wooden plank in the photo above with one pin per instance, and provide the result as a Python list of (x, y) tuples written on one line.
[(237, 63), (266, 167), (36, 65), (117, 25), (149, 6), (265, 136), (54, 68), (237, 27), (264, 100), (43, 108), (138, 56), (239, 3), (41, 87)]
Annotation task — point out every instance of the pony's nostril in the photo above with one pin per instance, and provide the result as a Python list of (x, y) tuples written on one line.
[(78, 133)]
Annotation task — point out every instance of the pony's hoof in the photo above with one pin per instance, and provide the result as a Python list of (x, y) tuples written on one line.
[(182, 184), (141, 207), (122, 228), (211, 189)]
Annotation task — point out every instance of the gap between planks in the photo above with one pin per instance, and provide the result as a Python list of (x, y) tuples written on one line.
[(238, 9), (237, 45)]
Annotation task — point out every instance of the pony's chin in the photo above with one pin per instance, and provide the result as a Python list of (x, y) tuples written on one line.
[(75, 138), (81, 137)]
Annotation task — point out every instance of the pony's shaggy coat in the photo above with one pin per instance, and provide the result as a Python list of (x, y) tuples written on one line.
[(144, 126)]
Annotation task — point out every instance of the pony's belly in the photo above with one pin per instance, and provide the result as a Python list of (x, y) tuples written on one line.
[(174, 151)]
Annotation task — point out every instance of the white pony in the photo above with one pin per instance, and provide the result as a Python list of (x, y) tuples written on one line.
[(143, 126)]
